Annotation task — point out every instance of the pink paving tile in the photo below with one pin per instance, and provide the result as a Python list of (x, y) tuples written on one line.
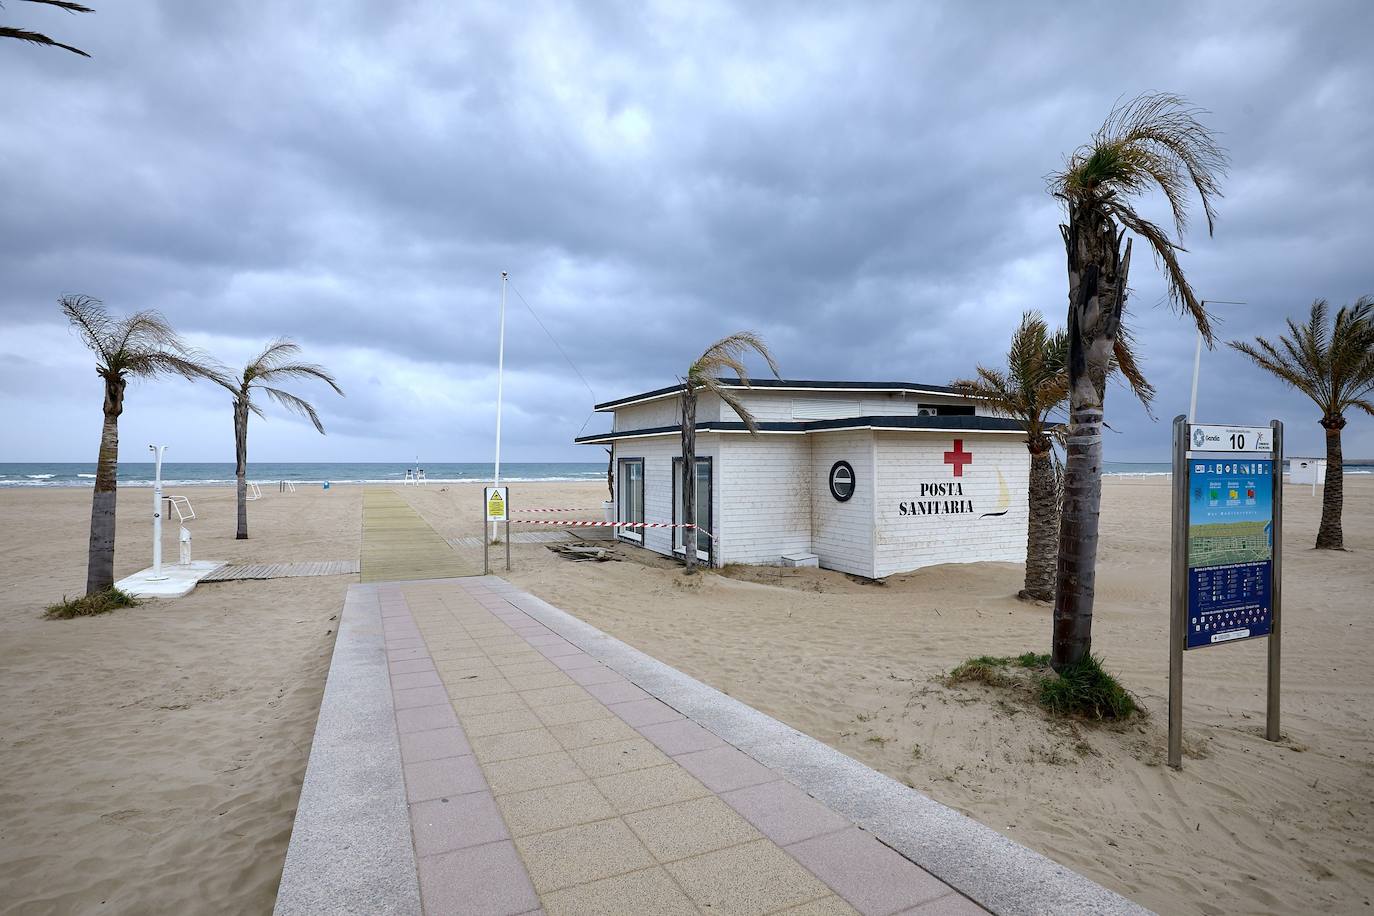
[(679, 736), (411, 665), (407, 681), (445, 824), (616, 693), (424, 718), (420, 696), (723, 768), (571, 662), (446, 776), (433, 744), (395, 610), (645, 712), (784, 813), (953, 904), (552, 639), (396, 655), (872, 877), (596, 675), (488, 879)]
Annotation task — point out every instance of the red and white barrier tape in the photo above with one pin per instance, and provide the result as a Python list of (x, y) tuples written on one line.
[(581, 524), (577, 509)]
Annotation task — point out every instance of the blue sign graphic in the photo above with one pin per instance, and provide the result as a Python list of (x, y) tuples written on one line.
[(1230, 549)]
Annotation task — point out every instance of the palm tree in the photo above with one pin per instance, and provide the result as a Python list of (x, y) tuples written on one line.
[(40, 39), (704, 375), (138, 345), (1153, 141), (1031, 390), (273, 363), (1336, 371)]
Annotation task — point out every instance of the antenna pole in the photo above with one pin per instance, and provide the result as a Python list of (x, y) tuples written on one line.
[(500, 373)]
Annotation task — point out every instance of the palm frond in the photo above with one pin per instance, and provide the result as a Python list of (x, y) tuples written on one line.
[(37, 38), (293, 403), (188, 363), (745, 414), (91, 319), (67, 5), (1166, 255), (1127, 364), (272, 355), (301, 370), (729, 353)]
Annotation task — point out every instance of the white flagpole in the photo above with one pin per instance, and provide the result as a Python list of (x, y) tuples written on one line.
[(1197, 357), (500, 374)]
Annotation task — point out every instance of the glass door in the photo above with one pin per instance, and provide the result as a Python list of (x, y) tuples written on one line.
[(703, 509), (631, 497)]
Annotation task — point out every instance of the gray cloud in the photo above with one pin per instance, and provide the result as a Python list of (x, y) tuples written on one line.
[(862, 185)]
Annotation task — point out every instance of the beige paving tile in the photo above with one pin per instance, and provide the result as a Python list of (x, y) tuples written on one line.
[(554, 678), (690, 828), (747, 880), (488, 703), (498, 723), (553, 808), (619, 757), (521, 773), (517, 657), (508, 746), (520, 669), (476, 686), (596, 731), (567, 713), (577, 855), (552, 696), (641, 789), (650, 892)]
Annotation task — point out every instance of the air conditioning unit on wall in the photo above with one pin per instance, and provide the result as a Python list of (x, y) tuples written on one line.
[(926, 412)]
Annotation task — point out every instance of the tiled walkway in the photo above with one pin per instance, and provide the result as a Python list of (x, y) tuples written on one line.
[(538, 779)]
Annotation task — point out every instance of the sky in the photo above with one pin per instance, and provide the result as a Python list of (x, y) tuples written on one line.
[(861, 184)]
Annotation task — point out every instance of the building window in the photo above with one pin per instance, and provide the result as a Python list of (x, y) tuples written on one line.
[(841, 481), (705, 524), (631, 504)]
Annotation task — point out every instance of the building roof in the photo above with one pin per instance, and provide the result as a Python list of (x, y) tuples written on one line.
[(801, 427), (787, 385)]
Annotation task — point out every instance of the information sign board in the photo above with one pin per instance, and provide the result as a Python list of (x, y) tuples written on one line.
[(497, 504), (1231, 439), (1230, 549)]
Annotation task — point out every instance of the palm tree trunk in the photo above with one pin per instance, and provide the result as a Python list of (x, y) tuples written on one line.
[(1043, 528), (1329, 534), (1097, 294), (689, 477), (100, 555), (241, 466)]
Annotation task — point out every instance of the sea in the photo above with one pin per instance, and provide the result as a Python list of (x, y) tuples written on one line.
[(211, 474)]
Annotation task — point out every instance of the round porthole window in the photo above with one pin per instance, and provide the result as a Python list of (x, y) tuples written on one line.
[(841, 481)]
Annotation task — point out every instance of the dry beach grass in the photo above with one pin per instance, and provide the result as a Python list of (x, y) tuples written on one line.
[(152, 757)]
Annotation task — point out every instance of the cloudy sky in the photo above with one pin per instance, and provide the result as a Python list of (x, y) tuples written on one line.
[(862, 184)]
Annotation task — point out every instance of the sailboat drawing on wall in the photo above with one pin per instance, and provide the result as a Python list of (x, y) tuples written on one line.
[(1003, 498)]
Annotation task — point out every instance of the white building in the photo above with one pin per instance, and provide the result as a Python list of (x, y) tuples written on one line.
[(870, 478)]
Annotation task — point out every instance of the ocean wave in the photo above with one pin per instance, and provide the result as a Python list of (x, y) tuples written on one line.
[(91, 476), (39, 476)]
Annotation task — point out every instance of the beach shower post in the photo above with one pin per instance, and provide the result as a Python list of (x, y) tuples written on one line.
[(157, 451)]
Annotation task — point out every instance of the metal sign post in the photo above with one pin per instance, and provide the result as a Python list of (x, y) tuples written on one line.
[(495, 508), (1226, 562)]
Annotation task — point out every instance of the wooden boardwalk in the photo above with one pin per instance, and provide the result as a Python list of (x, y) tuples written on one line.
[(398, 544), (230, 572), (519, 537)]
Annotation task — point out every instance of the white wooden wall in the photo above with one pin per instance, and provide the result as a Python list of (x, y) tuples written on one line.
[(910, 542), (658, 453), (765, 494), (842, 532)]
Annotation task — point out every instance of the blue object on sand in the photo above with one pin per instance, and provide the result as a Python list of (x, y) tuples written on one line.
[(326, 485)]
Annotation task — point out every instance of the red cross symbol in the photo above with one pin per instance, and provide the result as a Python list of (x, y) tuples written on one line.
[(958, 458)]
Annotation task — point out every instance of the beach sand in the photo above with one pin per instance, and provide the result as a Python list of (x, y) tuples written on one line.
[(152, 757)]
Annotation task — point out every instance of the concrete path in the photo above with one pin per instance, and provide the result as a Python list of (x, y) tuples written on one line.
[(547, 767), (398, 544)]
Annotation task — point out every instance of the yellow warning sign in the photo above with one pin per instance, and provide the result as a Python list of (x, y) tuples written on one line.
[(496, 502)]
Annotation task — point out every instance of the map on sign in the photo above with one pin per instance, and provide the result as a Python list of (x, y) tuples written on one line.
[(1230, 549), (497, 504)]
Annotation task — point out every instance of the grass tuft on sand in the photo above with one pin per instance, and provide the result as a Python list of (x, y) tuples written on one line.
[(1084, 691), (90, 605)]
